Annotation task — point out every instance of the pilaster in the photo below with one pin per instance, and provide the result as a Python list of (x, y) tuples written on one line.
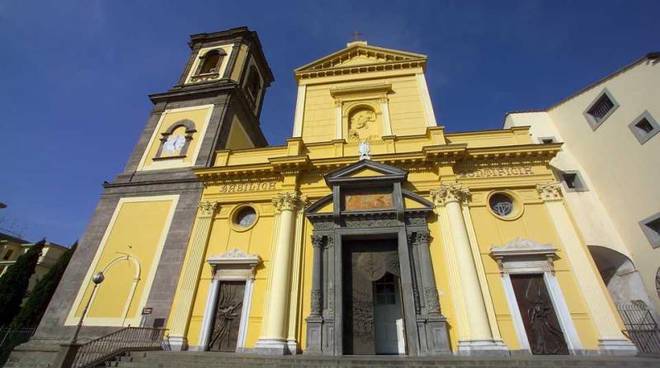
[(611, 340), (431, 324), (190, 272)]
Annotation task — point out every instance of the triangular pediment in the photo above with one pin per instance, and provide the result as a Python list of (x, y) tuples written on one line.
[(361, 54), (365, 170)]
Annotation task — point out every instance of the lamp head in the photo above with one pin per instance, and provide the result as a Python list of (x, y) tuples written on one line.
[(98, 278)]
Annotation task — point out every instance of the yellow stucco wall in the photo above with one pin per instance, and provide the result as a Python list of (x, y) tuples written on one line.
[(128, 256), (225, 236), (405, 104), (534, 224)]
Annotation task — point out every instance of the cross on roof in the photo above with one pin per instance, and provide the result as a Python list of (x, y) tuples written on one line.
[(356, 36)]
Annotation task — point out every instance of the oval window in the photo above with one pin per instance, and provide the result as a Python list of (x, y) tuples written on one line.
[(245, 217), (501, 204)]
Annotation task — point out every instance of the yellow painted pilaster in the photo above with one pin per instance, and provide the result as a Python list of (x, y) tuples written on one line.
[(611, 339), (188, 281)]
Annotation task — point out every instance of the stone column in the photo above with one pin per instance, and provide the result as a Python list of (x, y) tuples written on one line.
[(315, 320), (274, 340), (435, 324), (480, 339), (610, 338), (189, 278)]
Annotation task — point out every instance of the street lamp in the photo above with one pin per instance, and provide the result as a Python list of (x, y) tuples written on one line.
[(96, 279)]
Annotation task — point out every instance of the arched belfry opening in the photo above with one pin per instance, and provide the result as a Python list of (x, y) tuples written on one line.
[(373, 285)]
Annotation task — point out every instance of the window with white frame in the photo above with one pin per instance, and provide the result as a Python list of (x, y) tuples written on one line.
[(644, 127), (651, 228), (600, 109), (573, 181)]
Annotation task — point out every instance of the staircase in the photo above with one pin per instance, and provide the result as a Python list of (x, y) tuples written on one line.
[(167, 359)]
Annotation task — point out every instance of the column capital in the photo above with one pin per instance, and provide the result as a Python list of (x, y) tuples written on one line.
[(208, 208), (447, 193), (317, 241), (288, 201), (549, 191)]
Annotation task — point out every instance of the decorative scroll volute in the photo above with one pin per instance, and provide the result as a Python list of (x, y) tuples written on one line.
[(288, 201), (207, 208), (549, 191), (450, 193)]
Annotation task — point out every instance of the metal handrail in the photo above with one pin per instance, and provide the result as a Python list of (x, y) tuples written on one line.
[(106, 347)]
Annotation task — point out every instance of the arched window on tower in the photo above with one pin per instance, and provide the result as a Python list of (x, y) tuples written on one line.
[(211, 62), (253, 84)]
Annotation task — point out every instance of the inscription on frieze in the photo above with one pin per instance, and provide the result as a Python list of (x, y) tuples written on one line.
[(490, 172), (247, 187)]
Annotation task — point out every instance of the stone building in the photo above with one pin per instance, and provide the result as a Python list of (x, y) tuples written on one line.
[(370, 231), (12, 247), (608, 170)]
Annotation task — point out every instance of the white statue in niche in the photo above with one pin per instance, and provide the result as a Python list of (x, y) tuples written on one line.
[(362, 124)]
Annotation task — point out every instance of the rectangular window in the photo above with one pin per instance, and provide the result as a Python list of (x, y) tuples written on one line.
[(600, 109), (651, 228), (7, 255), (644, 127), (573, 181)]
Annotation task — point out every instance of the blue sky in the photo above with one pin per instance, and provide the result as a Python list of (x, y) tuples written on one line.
[(75, 75)]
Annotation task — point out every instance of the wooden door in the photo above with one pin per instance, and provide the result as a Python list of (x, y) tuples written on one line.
[(541, 325), (227, 321), (364, 262)]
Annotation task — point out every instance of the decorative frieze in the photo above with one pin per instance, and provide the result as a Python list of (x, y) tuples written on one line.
[(549, 191), (450, 193)]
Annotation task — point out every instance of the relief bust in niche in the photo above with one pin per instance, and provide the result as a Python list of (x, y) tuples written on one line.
[(362, 125)]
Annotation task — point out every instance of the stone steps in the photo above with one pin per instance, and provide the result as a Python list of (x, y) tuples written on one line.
[(208, 360)]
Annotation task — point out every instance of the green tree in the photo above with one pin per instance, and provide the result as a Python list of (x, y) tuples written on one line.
[(14, 283), (36, 304)]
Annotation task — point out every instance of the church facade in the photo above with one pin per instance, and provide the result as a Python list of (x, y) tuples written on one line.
[(370, 231)]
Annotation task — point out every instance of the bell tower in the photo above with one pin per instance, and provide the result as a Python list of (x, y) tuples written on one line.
[(146, 214), (215, 104)]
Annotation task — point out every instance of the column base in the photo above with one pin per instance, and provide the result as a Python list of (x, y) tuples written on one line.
[(292, 345), (482, 348), (616, 347), (178, 343), (271, 347)]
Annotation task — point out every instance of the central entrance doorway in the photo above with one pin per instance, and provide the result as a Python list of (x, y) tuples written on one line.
[(373, 312)]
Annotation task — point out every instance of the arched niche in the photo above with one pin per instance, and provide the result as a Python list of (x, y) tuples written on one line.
[(175, 141), (120, 272), (620, 275), (362, 121)]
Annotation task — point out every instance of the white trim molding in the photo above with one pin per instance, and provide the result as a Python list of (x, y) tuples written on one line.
[(234, 265), (523, 256)]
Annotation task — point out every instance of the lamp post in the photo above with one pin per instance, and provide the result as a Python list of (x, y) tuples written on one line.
[(67, 355), (96, 279)]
